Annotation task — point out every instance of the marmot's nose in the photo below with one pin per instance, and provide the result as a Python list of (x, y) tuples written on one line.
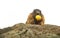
[(37, 13)]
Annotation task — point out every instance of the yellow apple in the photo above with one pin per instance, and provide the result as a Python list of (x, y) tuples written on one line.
[(38, 17)]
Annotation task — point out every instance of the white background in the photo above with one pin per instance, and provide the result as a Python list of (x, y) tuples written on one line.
[(16, 11)]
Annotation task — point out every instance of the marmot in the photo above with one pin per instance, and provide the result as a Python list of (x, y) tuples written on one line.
[(36, 17)]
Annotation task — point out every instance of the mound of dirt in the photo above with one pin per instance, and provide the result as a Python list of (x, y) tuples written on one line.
[(30, 31)]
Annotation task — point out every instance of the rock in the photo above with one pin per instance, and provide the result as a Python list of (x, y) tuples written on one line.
[(31, 31)]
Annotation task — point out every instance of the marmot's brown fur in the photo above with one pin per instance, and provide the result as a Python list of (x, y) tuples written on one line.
[(31, 18)]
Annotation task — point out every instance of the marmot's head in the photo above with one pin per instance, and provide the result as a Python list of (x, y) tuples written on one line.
[(37, 11), (37, 14)]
